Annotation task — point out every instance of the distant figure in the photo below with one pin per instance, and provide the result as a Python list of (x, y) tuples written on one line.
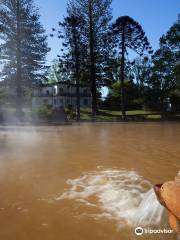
[(168, 195)]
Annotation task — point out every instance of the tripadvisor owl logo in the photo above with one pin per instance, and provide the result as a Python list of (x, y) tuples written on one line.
[(139, 231)]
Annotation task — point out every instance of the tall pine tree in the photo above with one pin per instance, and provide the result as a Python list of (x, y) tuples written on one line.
[(96, 15), (128, 34), (23, 47), (74, 56)]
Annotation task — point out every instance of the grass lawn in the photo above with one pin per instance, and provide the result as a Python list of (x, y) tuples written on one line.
[(108, 115)]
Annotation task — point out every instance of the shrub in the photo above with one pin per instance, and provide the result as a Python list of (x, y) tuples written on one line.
[(45, 112), (70, 112)]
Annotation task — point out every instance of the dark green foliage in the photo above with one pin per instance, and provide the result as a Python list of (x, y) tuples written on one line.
[(73, 48), (113, 100), (135, 38), (96, 15), (140, 70), (175, 100), (23, 46), (165, 76), (170, 47), (128, 35), (44, 112), (72, 60)]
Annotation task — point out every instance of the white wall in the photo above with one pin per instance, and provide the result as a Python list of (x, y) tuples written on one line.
[(52, 96)]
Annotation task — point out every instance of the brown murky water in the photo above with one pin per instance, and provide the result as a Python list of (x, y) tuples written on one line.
[(38, 202)]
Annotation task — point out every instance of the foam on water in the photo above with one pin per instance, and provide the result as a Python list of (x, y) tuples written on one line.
[(120, 194)]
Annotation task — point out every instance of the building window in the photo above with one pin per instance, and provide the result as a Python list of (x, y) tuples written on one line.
[(61, 90), (85, 91), (85, 101), (47, 93), (55, 102)]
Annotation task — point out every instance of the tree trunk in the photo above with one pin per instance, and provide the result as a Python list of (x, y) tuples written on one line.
[(123, 107), (92, 62), (76, 74), (19, 93), (162, 106), (78, 114)]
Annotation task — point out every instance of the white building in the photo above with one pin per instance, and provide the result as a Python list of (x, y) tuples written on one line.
[(61, 94)]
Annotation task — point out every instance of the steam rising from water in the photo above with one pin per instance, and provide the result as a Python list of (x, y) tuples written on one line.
[(120, 194)]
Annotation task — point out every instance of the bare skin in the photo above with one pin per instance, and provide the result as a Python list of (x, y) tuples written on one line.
[(168, 194)]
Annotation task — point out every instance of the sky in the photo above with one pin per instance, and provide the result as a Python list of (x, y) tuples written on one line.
[(155, 16)]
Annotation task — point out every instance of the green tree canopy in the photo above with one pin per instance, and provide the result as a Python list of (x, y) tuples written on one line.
[(165, 76), (114, 97), (23, 46), (128, 35), (96, 15)]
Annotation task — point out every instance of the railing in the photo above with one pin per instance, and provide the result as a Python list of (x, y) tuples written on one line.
[(42, 95), (74, 94), (62, 95)]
